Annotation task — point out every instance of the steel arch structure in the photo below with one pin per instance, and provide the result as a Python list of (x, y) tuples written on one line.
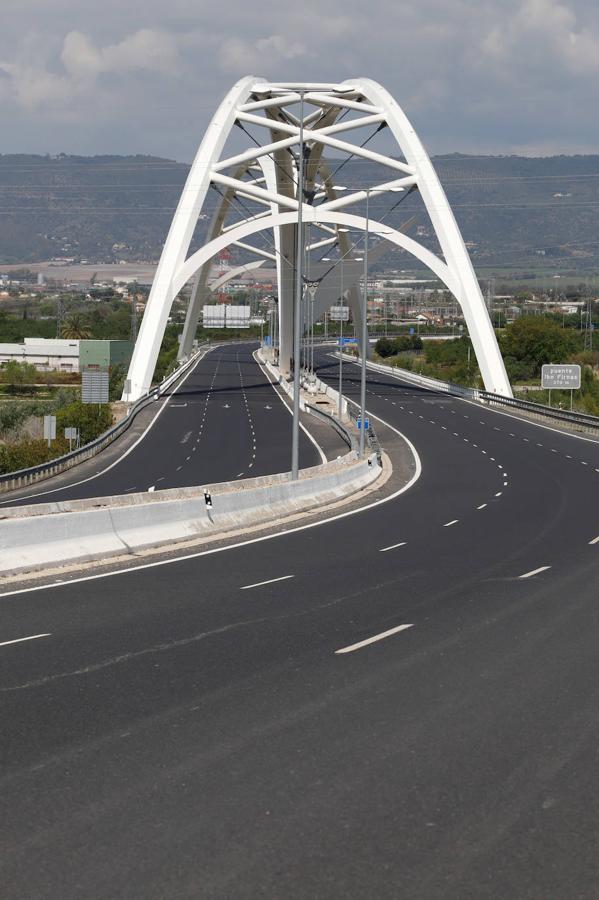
[(265, 175)]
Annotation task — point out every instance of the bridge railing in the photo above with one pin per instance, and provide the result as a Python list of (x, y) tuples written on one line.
[(13, 480), (576, 421)]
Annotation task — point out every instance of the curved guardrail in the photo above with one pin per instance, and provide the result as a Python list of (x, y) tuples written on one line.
[(13, 480), (335, 424), (575, 420)]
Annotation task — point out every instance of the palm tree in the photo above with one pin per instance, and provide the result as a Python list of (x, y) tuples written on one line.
[(75, 328)]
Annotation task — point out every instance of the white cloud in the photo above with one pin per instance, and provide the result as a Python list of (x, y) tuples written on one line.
[(544, 32), (145, 50), (255, 57), (490, 74)]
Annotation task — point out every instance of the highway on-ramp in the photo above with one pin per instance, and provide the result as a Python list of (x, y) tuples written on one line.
[(400, 702)]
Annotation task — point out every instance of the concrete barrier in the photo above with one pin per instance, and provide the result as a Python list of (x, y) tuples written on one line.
[(51, 534)]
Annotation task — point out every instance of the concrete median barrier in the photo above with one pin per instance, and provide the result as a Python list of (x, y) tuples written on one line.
[(51, 534)]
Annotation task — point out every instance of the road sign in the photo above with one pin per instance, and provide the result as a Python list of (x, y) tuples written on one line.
[(50, 428), (343, 341), (366, 423), (560, 377), (94, 386), (411, 329), (71, 434)]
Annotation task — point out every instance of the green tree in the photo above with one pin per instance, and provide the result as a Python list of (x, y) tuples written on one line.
[(75, 328), (17, 375), (385, 347), (91, 419), (536, 340)]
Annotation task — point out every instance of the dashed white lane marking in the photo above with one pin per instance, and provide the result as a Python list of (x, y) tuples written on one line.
[(583, 463), (482, 506), (594, 541), (372, 640), (32, 637), (534, 572), (498, 494), (453, 522), (393, 547), (246, 587)]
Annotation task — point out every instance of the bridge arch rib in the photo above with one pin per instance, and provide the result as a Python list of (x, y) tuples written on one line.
[(257, 103)]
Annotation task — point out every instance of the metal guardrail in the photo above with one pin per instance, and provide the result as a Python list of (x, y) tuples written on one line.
[(335, 424), (580, 421), (575, 420), (13, 480)]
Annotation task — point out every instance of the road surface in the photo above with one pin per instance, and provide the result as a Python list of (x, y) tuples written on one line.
[(402, 702), (222, 422)]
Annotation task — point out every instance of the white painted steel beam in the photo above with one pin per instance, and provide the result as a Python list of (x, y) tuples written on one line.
[(276, 189)]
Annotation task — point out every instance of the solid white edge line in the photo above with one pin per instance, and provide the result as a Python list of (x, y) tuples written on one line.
[(246, 587), (142, 436), (534, 572), (393, 547), (32, 637), (257, 540), (372, 640), (281, 395)]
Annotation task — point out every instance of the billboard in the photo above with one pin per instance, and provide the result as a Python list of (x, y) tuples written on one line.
[(94, 386), (560, 377), (339, 313), (224, 315)]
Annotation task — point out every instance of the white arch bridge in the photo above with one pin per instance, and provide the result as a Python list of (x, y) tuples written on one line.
[(265, 177)]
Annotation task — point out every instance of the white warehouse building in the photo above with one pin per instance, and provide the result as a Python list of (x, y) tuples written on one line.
[(46, 354)]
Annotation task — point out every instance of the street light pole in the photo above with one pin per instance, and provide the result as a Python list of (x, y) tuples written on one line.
[(341, 345), (297, 318), (364, 335)]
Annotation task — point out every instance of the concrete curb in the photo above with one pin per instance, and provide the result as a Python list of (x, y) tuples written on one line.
[(34, 537)]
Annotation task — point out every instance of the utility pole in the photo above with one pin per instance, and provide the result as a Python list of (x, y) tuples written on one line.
[(59, 316), (134, 314), (297, 318)]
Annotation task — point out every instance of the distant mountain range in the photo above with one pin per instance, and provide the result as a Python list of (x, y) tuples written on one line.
[(513, 211)]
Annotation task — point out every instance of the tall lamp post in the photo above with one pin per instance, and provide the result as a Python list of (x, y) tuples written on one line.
[(297, 318), (364, 333)]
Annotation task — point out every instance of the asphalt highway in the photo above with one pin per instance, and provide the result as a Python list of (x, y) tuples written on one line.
[(402, 702), (221, 422)]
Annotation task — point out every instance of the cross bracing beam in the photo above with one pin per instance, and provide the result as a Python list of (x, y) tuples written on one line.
[(266, 107)]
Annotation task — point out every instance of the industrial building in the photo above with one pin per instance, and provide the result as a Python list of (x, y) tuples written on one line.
[(63, 355)]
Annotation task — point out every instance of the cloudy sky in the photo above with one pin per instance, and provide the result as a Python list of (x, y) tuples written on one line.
[(142, 76)]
